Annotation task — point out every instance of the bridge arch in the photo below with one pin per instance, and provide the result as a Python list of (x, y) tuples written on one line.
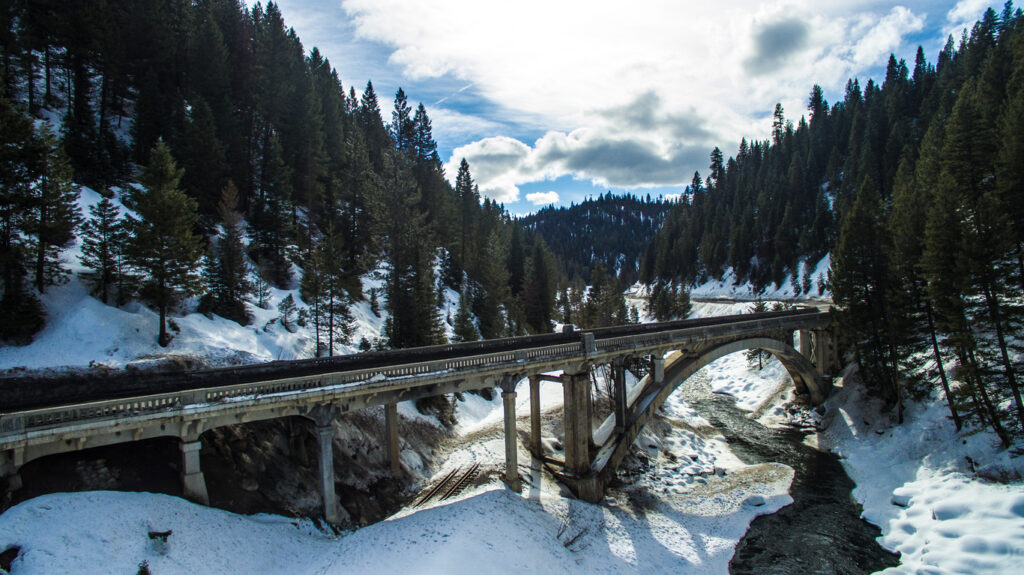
[(679, 367)]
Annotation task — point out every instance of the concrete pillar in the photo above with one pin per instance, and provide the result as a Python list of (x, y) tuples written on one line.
[(619, 394), (325, 440), (391, 423), (10, 462), (508, 397), (658, 368), (576, 420), (535, 446), (821, 349), (805, 345), (192, 480)]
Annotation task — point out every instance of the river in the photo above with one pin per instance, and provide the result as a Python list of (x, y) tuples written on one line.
[(821, 531)]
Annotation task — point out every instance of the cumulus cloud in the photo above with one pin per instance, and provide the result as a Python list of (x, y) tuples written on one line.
[(631, 97), (542, 198), (774, 43)]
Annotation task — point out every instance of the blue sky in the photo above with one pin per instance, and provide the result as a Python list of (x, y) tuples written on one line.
[(556, 100)]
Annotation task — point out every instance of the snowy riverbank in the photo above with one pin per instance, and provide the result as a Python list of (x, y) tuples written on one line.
[(928, 487)]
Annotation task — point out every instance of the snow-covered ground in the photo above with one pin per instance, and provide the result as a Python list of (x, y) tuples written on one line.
[(82, 331), (925, 485), (684, 512)]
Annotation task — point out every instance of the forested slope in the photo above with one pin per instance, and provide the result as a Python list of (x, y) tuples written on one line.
[(915, 185)]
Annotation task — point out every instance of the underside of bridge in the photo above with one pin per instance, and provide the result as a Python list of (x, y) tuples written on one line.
[(589, 467)]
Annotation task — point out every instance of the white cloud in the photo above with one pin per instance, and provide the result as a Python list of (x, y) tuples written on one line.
[(542, 198), (632, 95)]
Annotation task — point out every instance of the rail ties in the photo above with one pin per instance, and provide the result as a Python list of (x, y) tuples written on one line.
[(463, 482), (440, 485), (448, 487)]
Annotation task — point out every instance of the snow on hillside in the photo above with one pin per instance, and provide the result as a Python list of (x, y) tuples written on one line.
[(82, 331), (727, 288)]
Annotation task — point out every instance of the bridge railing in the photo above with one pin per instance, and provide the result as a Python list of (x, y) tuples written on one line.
[(379, 379)]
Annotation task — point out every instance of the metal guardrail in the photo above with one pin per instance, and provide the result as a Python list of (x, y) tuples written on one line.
[(381, 379)]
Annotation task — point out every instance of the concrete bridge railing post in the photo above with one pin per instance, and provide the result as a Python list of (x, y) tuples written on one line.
[(535, 446), (508, 398)]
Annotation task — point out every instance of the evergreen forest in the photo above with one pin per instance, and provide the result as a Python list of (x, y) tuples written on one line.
[(246, 165)]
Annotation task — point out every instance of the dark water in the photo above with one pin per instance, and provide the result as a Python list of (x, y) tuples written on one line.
[(821, 532)]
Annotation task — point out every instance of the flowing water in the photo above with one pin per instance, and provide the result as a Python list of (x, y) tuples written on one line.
[(821, 532)]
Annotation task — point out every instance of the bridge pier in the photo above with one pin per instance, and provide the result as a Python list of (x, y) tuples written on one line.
[(805, 345), (657, 368), (822, 345), (508, 398), (619, 393), (391, 423), (11, 461), (576, 421), (535, 447), (192, 480), (325, 440)]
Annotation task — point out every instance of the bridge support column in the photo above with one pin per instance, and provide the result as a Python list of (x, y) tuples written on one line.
[(658, 368), (10, 462), (192, 480), (535, 446), (391, 423), (619, 393), (576, 421), (508, 398), (325, 440), (822, 345), (805, 345)]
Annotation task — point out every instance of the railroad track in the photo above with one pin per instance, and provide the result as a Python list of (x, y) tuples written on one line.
[(449, 486)]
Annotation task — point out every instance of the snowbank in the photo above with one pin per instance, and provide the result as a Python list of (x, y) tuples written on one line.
[(917, 481)]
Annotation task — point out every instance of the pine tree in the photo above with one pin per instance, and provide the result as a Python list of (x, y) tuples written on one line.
[(55, 214), (21, 314), (465, 329), (227, 273), (163, 245), (860, 278), (103, 243), (288, 310)]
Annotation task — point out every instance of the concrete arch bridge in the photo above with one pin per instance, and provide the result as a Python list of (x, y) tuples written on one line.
[(91, 410)]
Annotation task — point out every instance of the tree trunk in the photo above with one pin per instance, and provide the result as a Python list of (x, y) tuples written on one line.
[(942, 370), (162, 338), (1011, 378), (997, 424)]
